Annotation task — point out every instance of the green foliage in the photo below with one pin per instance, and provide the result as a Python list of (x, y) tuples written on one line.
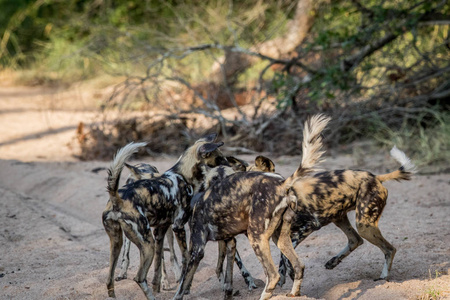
[(425, 138)]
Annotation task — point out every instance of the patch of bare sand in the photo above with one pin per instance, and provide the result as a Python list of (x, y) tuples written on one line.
[(53, 246)]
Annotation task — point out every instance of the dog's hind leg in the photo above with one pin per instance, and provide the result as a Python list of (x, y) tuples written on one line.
[(285, 266), (146, 258), (373, 234), (260, 245), (125, 260), (368, 212), (116, 239), (140, 234), (228, 282), (159, 233), (354, 241), (222, 248), (283, 241)]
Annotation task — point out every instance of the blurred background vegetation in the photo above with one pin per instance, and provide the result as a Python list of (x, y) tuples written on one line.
[(251, 70)]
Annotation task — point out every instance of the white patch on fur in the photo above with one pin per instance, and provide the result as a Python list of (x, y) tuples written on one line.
[(115, 216), (275, 175), (172, 192), (142, 214), (282, 205), (296, 287), (212, 230), (266, 223), (135, 229), (404, 160)]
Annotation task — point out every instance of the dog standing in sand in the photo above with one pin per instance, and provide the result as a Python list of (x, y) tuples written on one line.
[(138, 172), (254, 203), (159, 202), (327, 197)]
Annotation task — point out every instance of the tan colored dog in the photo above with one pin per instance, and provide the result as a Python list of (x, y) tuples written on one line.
[(159, 202), (254, 203), (327, 197)]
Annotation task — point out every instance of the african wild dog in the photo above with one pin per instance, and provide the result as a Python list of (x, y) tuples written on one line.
[(147, 171), (261, 164), (254, 203), (159, 202), (138, 172), (327, 197)]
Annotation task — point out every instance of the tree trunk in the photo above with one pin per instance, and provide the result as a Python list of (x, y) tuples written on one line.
[(229, 67)]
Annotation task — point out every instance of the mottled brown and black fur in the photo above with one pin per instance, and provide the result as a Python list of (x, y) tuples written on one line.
[(327, 197), (138, 172), (261, 164), (147, 171), (254, 203), (159, 202)]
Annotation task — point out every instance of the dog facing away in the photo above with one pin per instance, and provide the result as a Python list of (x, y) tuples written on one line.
[(159, 202), (138, 172), (327, 197), (254, 203)]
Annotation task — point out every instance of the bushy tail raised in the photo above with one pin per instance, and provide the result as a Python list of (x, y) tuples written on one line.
[(312, 144), (116, 168), (406, 170)]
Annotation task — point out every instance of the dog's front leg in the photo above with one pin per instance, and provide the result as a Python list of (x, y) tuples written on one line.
[(159, 234), (196, 254), (228, 282), (354, 240), (249, 280)]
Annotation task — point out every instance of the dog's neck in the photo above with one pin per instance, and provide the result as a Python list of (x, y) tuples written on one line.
[(188, 167)]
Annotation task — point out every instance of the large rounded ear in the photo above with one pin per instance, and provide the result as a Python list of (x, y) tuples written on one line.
[(264, 164), (237, 164), (205, 150), (208, 138)]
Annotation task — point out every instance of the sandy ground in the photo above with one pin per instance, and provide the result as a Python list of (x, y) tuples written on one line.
[(53, 246)]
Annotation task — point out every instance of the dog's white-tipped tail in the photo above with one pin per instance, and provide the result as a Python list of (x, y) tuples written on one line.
[(406, 170), (312, 144), (116, 168)]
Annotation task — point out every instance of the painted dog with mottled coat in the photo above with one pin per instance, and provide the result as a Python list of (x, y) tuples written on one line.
[(261, 164), (159, 202), (327, 197), (147, 171), (254, 203), (138, 172)]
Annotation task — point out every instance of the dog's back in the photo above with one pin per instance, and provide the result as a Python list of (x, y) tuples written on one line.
[(229, 200)]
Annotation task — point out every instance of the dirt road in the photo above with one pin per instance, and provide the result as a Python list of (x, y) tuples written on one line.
[(53, 245)]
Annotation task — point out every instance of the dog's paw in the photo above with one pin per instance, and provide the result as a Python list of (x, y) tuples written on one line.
[(379, 279), (290, 295), (119, 278), (282, 281), (332, 263)]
